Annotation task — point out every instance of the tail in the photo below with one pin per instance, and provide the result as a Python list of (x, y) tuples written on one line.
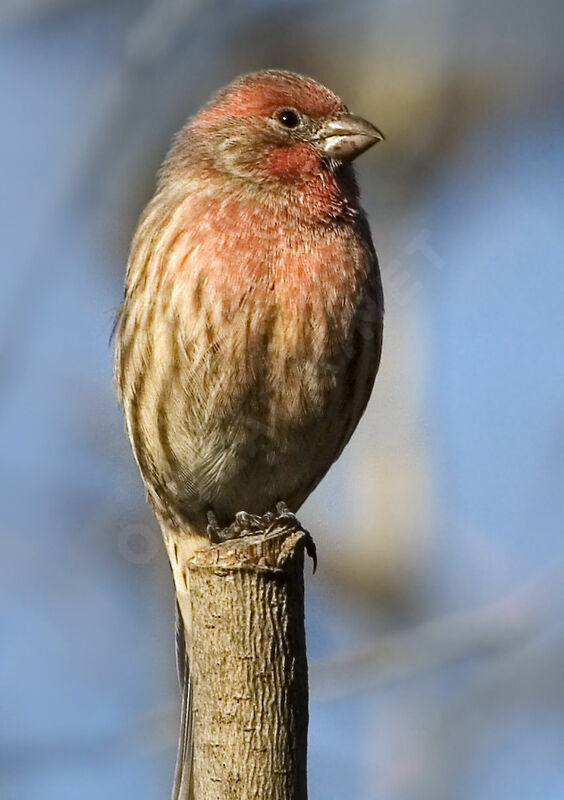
[(181, 545), (182, 788)]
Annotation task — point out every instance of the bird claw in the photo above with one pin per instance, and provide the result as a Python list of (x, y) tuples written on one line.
[(213, 529), (289, 519), (311, 550), (246, 523)]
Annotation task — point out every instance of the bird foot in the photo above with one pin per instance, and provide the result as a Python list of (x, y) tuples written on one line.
[(285, 517), (245, 524)]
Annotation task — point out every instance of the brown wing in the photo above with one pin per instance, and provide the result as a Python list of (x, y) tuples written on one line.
[(364, 347)]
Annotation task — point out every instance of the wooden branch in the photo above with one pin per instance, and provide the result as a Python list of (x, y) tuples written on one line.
[(249, 669)]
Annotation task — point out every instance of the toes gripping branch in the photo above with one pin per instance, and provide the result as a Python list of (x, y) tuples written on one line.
[(270, 523)]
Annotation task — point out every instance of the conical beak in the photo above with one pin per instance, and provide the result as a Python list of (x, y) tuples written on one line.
[(344, 137)]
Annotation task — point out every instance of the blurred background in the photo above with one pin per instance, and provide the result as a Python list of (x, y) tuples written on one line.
[(435, 620)]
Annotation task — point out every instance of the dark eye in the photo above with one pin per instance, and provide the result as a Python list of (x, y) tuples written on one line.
[(288, 117)]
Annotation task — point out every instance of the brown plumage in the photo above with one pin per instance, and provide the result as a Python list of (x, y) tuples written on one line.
[(250, 332)]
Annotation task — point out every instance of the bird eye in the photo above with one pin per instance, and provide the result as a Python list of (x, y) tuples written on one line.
[(288, 117)]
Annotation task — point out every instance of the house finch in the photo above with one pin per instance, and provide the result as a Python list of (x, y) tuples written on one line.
[(250, 333)]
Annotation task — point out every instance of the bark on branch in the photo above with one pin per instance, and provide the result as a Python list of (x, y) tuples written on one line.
[(249, 669)]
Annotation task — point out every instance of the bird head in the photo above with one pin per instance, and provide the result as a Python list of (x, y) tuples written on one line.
[(272, 128)]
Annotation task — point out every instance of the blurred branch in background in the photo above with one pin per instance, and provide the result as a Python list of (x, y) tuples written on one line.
[(497, 631)]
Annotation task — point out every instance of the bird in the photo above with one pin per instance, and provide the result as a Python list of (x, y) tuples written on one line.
[(250, 332)]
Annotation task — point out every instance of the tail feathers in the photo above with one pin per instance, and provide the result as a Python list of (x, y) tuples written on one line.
[(182, 787)]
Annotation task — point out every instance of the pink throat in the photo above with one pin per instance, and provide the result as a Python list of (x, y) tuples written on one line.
[(248, 248)]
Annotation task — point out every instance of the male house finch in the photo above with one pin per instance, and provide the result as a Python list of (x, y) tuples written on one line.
[(250, 333)]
